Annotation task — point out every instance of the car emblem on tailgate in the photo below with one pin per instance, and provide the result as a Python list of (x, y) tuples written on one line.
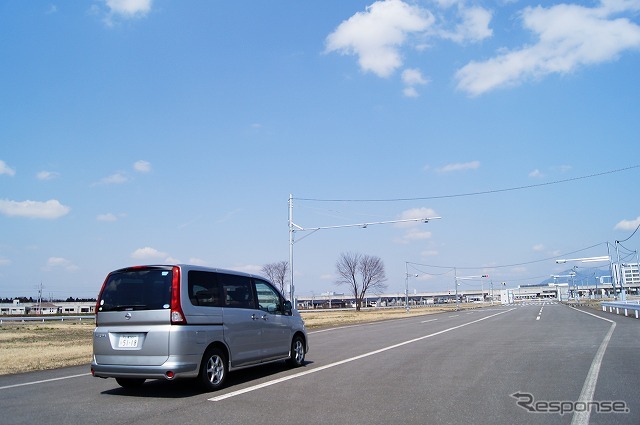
[(127, 316)]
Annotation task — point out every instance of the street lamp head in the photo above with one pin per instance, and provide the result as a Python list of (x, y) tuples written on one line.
[(584, 260)]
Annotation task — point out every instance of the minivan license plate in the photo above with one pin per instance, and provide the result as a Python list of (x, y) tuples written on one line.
[(128, 341)]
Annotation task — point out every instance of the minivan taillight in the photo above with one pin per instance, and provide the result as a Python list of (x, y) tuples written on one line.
[(177, 316), (98, 301)]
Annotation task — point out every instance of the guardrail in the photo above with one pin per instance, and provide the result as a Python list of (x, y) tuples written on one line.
[(633, 305), (22, 319)]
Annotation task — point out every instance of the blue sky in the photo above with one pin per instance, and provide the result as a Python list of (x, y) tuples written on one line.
[(140, 131)]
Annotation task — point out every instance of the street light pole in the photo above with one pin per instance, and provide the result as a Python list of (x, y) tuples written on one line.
[(291, 242), (585, 260), (406, 285), (623, 295), (467, 278), (455, 277), (295, 228), (555, 276)]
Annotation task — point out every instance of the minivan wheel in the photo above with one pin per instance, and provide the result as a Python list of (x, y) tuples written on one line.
[(213, 369), (297, 352), (130, 382)]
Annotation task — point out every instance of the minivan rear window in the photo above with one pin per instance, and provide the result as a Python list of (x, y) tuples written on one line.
[(146, 288)]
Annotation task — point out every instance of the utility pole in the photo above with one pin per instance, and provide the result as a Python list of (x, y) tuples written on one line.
[(40, 298)]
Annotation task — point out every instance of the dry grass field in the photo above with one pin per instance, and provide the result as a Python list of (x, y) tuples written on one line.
[(32, 346)]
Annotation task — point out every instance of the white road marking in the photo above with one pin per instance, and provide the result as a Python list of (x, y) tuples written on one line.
[(589, 387), (339, 327), (43, 381), (430, 320), (341, 362)]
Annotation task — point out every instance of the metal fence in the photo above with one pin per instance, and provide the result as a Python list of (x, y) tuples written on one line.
[(625, 306), (31, 319)]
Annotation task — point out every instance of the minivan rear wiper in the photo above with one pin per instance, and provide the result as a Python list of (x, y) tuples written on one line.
[(124, 307)]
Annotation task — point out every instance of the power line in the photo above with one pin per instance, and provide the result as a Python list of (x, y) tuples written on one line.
[(486, 192), (634, 232)]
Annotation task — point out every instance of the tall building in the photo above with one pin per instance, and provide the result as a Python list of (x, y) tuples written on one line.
[(630, 274)]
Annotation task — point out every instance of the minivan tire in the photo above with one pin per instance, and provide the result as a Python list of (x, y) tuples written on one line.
[(296, 358), (213, 369), (130, 382)]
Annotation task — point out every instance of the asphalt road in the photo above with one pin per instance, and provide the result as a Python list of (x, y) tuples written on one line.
[(530, 364)]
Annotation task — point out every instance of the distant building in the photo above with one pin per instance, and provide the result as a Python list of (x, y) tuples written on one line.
[(15, 308), (43, 308), (47, 308), (630, 274)]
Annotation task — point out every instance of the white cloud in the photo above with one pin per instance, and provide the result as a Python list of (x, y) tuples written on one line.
[(474, 25), (107, 217), (616, 6), (129, 8), (412, 77), (142, 166), (414, 235), (248, 268), (538, 247), (377, 34), (59, 262), (414, 230), (536, 173), (122, 9), (566, 37), (198, 261), (47, 175), (628, 224), (569, 36), (5, 169), (415, 213), (410, 92), (148, 253), (50, 209), (459, 166), (172, 260), (116, 178), (4, 261), (445, 4)]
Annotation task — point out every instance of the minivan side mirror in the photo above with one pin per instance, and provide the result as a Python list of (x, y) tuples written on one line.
[(288, 308)]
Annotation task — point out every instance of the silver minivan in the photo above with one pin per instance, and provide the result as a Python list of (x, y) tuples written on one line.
[(184, 321)]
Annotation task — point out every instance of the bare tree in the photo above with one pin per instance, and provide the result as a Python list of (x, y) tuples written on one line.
[(277, 273), (362, 274)]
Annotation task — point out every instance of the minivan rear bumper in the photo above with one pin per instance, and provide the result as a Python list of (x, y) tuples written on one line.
[(168, 370)]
